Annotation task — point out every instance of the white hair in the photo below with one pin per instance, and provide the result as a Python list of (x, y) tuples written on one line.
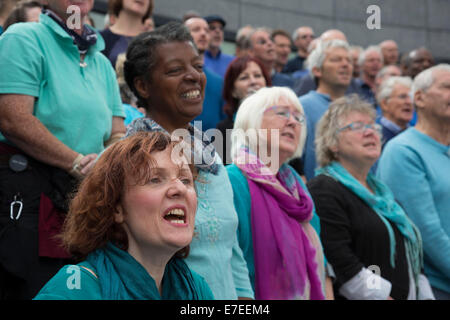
[(362, 56), (387, 86), (258, 29), (425, 79), (251, 111), (318, 55)]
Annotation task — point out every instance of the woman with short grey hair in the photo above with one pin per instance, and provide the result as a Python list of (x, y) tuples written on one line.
[(278, 228), (366, 235)]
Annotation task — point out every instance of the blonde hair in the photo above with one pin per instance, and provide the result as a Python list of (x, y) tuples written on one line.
[(331, 121)]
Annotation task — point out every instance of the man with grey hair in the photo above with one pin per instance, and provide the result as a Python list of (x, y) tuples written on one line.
[(301, 38), (330, 63), (396, 106), (307, 82), (389, 48), (243, 41), (416, 166), (263, 49), (370, 62)]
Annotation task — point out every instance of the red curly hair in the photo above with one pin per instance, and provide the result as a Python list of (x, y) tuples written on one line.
[(90, 222)]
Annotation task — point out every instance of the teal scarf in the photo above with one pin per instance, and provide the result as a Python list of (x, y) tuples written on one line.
[(383, 203), (121, 277)]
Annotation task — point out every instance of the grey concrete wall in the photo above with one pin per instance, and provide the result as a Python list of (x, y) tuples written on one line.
[(412, 23)]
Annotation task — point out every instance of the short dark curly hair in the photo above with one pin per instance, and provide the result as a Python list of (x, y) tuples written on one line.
[(142, 56)]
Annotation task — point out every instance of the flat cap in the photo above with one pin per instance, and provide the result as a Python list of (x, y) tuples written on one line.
[(215, 17)]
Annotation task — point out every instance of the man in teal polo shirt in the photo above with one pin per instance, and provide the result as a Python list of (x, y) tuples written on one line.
[(59, 107)]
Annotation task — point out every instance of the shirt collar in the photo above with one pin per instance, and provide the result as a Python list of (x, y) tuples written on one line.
[(390, 125), (208, 53), (321, 95), (52, 25)]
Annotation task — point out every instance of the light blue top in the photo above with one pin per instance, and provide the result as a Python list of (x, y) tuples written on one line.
[(243, 202), (315, 105), (215, 252), (218, 64), (417, 169), (76, 104), (131, 113)]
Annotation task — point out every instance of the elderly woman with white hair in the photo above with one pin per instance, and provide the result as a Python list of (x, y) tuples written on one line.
[(396, 105), (375, 249), (282, 249)]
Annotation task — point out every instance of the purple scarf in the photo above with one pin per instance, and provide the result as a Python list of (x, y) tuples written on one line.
[(287, 251)]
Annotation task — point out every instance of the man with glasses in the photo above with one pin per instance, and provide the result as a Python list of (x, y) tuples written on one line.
[(302, 37), (215, 59)]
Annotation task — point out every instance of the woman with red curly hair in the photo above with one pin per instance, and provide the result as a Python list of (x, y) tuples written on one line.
[(131, 223)]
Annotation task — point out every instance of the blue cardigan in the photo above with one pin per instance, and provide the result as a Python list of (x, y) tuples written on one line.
[(417, 169)]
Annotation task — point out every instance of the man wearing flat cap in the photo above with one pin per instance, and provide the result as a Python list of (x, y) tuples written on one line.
[(215, 59)]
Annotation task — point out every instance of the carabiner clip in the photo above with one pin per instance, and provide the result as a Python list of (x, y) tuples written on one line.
[(20, 204)]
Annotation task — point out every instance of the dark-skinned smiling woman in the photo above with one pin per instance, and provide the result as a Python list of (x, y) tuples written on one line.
[(165, 71)]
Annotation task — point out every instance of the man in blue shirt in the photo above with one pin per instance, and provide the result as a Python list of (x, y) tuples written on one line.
[(302, 37), (416, 167), (331, 65), (215, 59)]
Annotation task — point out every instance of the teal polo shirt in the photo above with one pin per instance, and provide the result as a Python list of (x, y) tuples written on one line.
[(76, 104)]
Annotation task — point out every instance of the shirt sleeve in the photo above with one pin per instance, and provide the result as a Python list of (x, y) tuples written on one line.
[(115, 102), (403, 171), (240, 273), (243, 238), (366, 285), (425, 291), (21, 63)]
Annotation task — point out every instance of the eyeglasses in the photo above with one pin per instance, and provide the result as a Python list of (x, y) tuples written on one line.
[(359, 126), (284, 112), (402, 97), (305, 36)]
